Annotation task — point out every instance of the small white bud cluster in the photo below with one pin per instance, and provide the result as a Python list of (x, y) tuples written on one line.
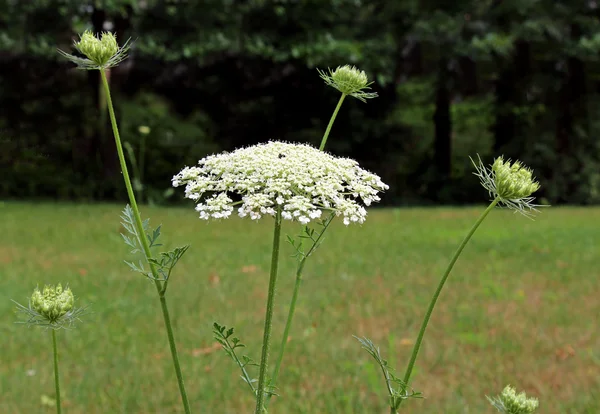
[(296, 178)]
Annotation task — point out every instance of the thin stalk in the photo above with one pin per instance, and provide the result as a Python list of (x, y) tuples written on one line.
[(141, 162), (260, 396), (434, 299), (174, 354), (245, 374), (136, 170), (331, 121), (102, 126), (56, 376), (288, 322), (144, 242), (292, 310)]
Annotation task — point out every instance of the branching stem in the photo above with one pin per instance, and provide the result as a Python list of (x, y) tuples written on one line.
[(144, 243)]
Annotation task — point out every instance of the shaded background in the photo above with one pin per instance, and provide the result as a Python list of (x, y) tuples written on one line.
[(455, 78)]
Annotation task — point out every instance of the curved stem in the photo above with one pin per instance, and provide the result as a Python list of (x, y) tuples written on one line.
[(331, 121), (434, 299), (260, 396), (144, 242), (56, 377)]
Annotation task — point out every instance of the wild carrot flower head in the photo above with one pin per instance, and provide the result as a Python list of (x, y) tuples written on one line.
[(350, 81), (509, 402), (51, 307), (102, 52), (296, 178), (512, 183)]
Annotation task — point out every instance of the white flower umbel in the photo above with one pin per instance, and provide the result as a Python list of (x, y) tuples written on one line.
[(297, 178)]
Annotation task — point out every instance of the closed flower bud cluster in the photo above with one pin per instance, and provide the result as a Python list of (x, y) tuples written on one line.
[(349, 81), (52, 302), (511, 183), (509, 402), (101, 52), (98, 50), (298, 179)]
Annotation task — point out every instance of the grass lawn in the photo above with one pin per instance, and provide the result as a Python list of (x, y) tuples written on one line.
[(522, 306)]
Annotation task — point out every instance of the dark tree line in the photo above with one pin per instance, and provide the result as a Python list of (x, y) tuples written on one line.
[(455, 79)]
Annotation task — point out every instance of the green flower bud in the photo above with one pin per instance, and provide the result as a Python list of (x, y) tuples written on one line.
[(53, 302), (349, 81), (98, 50), (509, 402), (102, 52), (511, 183), (52, 307)]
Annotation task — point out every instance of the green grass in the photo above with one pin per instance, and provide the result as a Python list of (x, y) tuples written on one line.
[(520, 307)]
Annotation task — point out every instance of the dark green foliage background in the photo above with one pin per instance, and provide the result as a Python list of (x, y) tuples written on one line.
[(455, 78)]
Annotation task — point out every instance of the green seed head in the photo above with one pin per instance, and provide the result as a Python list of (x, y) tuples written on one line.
[(513, 181), (52, 302), (349, 81), (509, 402)]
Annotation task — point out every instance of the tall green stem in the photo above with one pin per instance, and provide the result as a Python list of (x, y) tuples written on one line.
[(331, 121), (434, 299), (56, 376), (144, 242), (292, 310), (260, 397), (288, 322)]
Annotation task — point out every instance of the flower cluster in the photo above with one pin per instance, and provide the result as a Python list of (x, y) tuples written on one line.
[(511, 183), (349, 81), (51, 307), (296, 178), (102, 52), (509, 402)]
